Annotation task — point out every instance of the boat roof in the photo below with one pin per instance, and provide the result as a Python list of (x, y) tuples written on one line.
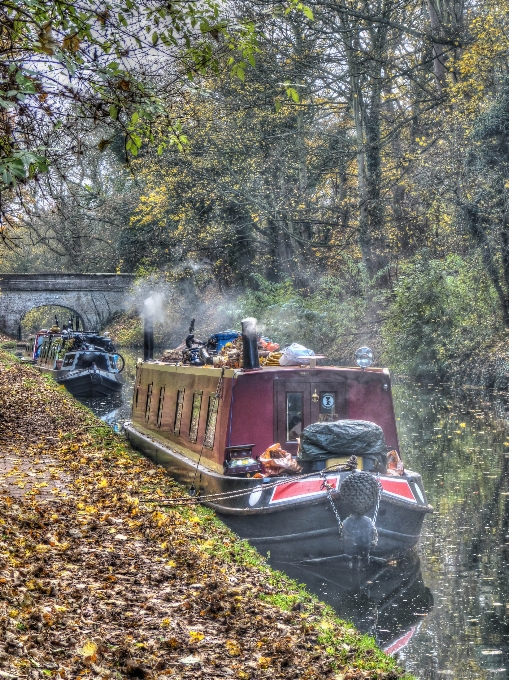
[(352, 371)]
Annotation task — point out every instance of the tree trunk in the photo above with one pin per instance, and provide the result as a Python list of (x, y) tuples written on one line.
[(473, 219)]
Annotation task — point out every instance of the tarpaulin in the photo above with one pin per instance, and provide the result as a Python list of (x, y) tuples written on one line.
[(343, 438)]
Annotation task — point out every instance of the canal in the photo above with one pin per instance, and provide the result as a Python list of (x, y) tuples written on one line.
[(444, 610)]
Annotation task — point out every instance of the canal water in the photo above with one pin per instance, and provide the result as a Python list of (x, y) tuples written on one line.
[(116, 408), (444, 611), (460, 445)]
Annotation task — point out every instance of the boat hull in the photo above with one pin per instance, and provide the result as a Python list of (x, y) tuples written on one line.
[(91, 384), (293, 521), (86, 383)]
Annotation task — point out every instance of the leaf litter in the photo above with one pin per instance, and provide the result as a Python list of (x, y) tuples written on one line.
[(95, 583)]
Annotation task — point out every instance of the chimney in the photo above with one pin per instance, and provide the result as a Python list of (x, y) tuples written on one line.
[(250, 345), (148, 335)]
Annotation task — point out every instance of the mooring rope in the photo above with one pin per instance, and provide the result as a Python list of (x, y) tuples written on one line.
[(211, 498)]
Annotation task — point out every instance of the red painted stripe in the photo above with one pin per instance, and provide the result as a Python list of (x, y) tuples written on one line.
[(400, 642), (398, 487), (306, 487)]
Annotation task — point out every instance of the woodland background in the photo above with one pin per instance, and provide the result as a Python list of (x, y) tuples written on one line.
[(348, 184)]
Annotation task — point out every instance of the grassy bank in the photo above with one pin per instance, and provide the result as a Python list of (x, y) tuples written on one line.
[(95, 582)]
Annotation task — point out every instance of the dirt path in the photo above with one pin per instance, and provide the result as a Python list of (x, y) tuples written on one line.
[(37, 474)]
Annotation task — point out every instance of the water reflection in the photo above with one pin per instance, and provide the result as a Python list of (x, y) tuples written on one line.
[(457, 442), (386, 601), (115, 409)]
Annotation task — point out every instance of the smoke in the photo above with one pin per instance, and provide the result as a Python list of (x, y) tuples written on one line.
[(173, 303), (249, 326), (154, 308)]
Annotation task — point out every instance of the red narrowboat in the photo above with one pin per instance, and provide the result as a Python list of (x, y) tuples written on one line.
[(209, 426)]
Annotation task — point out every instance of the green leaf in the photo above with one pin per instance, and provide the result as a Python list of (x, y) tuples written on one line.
[(113, 112), (292, 92), (135, 117), (308, 12), (277, 104)]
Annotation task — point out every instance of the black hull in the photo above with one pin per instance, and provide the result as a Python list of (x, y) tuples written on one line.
[(90, 383), (309, 534), (301, 528)]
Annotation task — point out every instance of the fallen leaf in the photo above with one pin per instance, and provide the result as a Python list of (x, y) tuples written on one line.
[(190, 660), (232, 647), (195, 636), (88, 652)]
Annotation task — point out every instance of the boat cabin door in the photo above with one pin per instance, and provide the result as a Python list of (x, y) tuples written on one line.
[(300, 403)]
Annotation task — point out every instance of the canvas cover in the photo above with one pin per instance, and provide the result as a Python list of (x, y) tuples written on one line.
[(342, 438)]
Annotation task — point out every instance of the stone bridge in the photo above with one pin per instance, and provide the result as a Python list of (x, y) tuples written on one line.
[(93, 297)]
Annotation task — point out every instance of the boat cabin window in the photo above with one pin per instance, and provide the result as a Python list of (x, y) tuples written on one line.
[(294, 424), (86, 359), (69, 360), (160, 407), (195, 416), (54, 349), (210, 431), (178, 411), (45, 349), (149, 401)]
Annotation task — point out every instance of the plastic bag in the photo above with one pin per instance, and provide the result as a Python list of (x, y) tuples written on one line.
[(395, 465), (296, 355), (275, 460)]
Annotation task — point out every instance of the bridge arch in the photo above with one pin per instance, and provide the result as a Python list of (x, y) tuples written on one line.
[(43, 316), (94, 297)]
